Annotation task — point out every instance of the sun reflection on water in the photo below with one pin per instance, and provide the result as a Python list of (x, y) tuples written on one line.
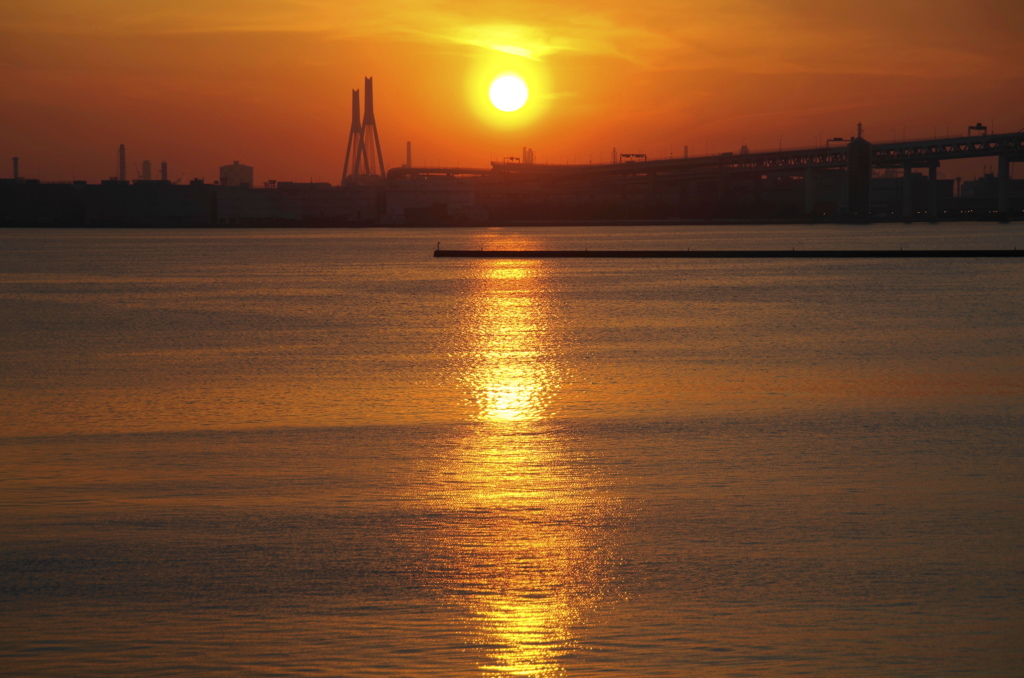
[(518, 508), (511, 375), (520, 571)]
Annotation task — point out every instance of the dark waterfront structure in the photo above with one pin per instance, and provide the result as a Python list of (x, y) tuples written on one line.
[(197, 204), (855, 181)]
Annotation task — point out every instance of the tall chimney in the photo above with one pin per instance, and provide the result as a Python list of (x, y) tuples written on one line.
[(408, 154), (15, 168), (163, 171), (122, 172)]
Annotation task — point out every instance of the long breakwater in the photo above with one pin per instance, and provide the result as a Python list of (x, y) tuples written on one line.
[(725, 254)]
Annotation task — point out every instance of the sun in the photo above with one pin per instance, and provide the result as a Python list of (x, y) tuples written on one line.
[(508, 93)]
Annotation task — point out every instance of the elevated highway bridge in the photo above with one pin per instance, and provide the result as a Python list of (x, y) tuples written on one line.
[(857, 158)]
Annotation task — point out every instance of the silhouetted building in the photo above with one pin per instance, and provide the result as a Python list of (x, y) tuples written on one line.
[(888, 195), (236, 174), (987, 187), (155, 204)]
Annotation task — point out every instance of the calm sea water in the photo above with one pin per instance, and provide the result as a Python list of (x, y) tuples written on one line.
[(326, 453)]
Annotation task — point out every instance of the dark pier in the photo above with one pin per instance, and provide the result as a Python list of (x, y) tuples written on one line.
[(726, 254)]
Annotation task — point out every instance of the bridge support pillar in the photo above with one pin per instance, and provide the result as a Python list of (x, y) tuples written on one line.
[(908, 192), (933, 191), (858, 179), (1004, 185), (808, 190)]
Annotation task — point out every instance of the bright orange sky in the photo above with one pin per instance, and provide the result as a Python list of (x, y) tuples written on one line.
[(268, 82)]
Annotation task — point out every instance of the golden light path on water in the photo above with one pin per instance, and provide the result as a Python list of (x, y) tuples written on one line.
[(523, 569), (513, 378)]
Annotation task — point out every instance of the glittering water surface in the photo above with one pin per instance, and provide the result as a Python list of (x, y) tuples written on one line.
[(326, 453)]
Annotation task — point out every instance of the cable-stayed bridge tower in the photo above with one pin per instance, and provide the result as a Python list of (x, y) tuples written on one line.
[(371, 139), (355, 153), (363, 156)]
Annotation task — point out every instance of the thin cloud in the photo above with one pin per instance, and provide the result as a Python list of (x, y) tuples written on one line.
[(746, 36)]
